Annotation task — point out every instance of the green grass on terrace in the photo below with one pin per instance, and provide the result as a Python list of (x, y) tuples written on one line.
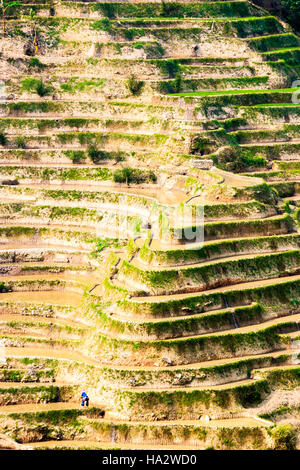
[(273, 105), (275, 51), (174, 18), (233, 92), (235, 8), (48, 19)]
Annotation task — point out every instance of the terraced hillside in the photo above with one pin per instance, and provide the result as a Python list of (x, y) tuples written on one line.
[(119, 120)]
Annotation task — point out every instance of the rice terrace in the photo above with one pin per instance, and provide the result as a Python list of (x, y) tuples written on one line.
[(150, 225)]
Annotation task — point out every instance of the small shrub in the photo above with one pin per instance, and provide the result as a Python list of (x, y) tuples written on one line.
[(295, 303), (287, 207), (172, 86), (170, 67), (265, 194), (123, 175), (42, 89), (169, 9), (118, 157), (178, 83), (20, 143), (102, 25), (133, 175), (134, 86), (100, 246), (36, 85), (107, 9), (95, 154), (3, 288), (3, 140), (152, 50), (132, 33), (75, 155), (36, 63), (284, 437)]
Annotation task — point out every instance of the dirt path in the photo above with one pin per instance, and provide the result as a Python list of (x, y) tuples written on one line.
[(12, 385), (160, 245), (271, 143), (52, 353), (225, 386), (36, 408), (241, 286), (77, 276), (81, 266), (242, 330), (40, 319), (124, 318), (221, 259), (214, 423), (27, 247), (162, 195), (103, 445), (37, 225), (230, 422), (237, 181), (61, 297), (250, 328)]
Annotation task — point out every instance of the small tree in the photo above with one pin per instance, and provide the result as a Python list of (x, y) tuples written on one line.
[(95, 154), (123, 175), (4, 7)]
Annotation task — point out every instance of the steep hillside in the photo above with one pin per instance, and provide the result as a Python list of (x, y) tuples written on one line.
[(149, 226)]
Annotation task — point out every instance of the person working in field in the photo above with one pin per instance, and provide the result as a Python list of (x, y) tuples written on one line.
[(84, 398)]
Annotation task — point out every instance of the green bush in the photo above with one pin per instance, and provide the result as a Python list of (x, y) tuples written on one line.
[(42, 89), (169, 66), (169, 9), (3, 139), (75, 155), (284, 437), (134, 86), (3, 288), (295, 303), (35, 62), (107, 9), (95, 154), (132, 175), (238, 160), (287, 207), (265, 194), (20, 142), (152, 49), (172, 86), (102, 25), (36, 85)]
